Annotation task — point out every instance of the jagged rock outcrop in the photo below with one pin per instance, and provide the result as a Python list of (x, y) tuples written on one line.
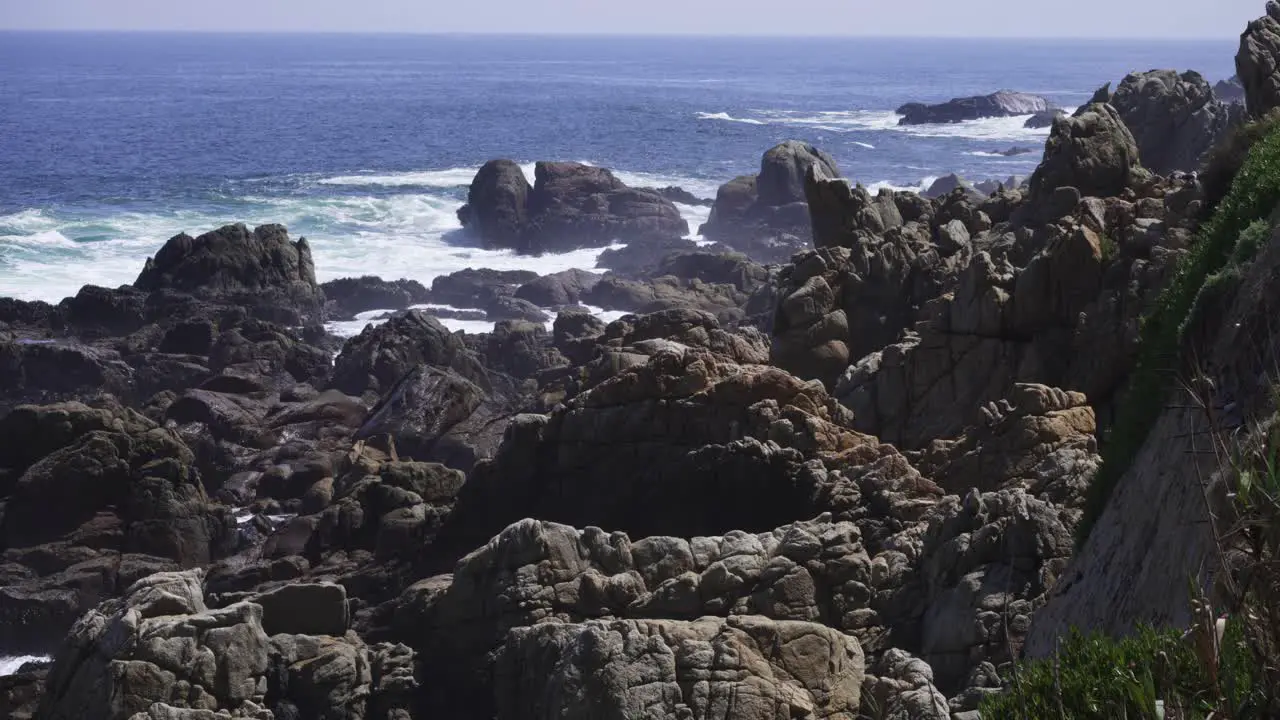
[(497, 203), (570, 206), (160, 652), (379, 357), (1093, 152), (739, 667), (1229, 90), (690, 441), (1004, 103), (1175, 119), (765, 216), (94, 497), (479, 623), (1258, 62), (1174, 490), (1043, 119), (261, 269)]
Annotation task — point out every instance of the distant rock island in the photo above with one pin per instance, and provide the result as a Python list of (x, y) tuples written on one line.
[(1004, 103)]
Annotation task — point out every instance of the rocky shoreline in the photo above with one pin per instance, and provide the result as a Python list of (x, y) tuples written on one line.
[(830, 463)]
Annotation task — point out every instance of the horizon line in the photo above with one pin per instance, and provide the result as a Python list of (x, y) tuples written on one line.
[(607, 34)]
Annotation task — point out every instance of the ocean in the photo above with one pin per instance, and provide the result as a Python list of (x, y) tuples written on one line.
[(112, 143)]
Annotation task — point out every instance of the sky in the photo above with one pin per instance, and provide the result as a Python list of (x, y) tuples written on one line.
[(914, 18)]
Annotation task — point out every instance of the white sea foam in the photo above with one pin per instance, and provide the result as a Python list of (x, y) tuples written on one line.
[(1010, 128), (728, 118), (606, 315), (868, 146), (449, 178), (9, 664)]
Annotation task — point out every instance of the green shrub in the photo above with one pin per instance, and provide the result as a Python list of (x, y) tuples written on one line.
[(1094, 676), (1254, 193), (1225, 161)]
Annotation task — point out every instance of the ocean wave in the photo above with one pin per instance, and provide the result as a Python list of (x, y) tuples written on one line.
[(447, 178), (728, 118), (9, 664), (868, 146), (1010, 128)]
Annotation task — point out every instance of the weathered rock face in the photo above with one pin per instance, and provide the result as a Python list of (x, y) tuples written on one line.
[(1229, 90), (764, 583), (497, 203), (1093, 152), (690, 442), (232, 264), (765, 216), (569, 206), (348, 296), (1258, 62), (1004, 103), (1175, 119), (743, 667), (40, 371), (160, 653), (376, 359), (94, 498), (1176, 486)]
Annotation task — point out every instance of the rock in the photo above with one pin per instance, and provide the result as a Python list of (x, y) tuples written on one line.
[(1043, 119), (520, 349), (681, 196), (376, 359), (43, 371), (1258, 60), (348, 297), (733, 269), (1174, 118), (783, 169), (558, 290), (1230, 90), (472, 288), (575, 334), (528, 596), (899, 685), (304, 609), (160, 653), (497, 203), (262, 269), (97, 311), (433, 413), (718, 409), (743, 667), (570, 206), (765, 216), (641, 261), (664, 293), (1004, 103), (946, 185), (1093, 152)]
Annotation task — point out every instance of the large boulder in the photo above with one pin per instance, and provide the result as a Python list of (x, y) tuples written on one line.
[(161, 653), (1258, 62), (1093, 152), (1175, 119), (1004, 103), (260, 268), (783, 169), (766, 216), (496, 208), (570, 206), (376, 359), (348, 296)]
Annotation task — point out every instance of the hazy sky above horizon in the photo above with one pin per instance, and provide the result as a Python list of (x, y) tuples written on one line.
[(985, 18)]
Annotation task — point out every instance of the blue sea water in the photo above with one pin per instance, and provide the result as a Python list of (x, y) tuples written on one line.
[(111, 143)]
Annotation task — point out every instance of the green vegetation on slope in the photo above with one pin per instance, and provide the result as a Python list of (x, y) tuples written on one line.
[(1254, 193), (1093, 676)]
